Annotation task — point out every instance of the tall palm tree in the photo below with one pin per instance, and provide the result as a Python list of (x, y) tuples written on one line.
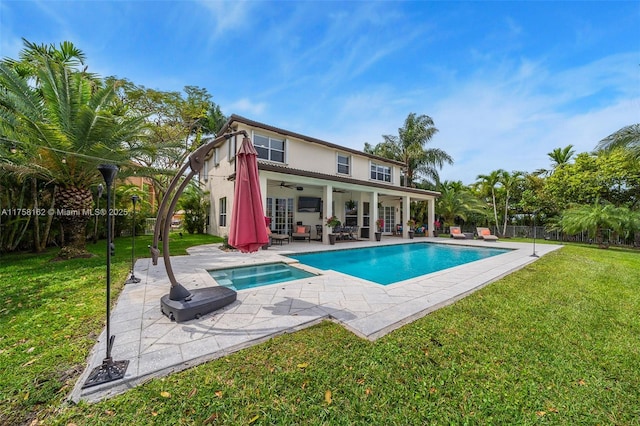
[(628, 138), (560, 156), (409, 147), (509, 182), (65, 126), (488, 185)]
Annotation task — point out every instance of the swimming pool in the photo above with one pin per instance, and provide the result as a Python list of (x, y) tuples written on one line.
[(389, 264), (244, 277)]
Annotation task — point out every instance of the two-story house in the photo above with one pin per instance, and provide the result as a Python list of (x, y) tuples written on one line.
[(306, 180)]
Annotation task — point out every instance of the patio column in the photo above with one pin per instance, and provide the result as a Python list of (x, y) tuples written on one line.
[(406, 214), (327, 212), (374, 216), (263, 193), (431, 214)]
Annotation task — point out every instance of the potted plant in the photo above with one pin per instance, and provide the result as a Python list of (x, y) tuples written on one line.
[(332, 222), (411, 224), (379, 225)]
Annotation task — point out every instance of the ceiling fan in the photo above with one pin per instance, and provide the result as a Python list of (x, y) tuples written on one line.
[(290, 186)]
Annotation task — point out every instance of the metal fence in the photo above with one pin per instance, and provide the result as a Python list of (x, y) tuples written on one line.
[(608, 235)]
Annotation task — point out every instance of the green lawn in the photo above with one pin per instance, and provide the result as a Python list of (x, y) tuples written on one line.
[(555, 343), (50, 316)]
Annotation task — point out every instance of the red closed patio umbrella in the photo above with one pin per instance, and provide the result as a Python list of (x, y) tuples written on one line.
[(247, 231)]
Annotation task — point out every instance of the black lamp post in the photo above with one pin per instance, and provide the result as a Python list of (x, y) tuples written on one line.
[(133, 279), (534, 236), (109, 370)]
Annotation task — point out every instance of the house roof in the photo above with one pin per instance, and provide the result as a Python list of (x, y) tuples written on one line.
[(310, 139)]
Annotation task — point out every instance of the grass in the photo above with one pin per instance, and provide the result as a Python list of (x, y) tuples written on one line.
[(50, 316), (555, 343)]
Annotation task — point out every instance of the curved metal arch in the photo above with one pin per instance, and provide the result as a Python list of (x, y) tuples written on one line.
[(167, 208)]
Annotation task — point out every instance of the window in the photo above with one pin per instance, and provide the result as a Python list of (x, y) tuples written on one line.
[(223, 212), (232, 148), (269, 148), (381, 173), (344, 164), (216, 157)]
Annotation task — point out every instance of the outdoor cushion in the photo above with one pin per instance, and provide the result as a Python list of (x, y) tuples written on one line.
[(486, 232), (455, 231), (300, 230)]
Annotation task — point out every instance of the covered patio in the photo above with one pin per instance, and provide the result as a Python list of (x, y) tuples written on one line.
[(295, 198)]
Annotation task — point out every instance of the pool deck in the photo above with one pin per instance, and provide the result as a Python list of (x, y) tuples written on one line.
[(156, 346)]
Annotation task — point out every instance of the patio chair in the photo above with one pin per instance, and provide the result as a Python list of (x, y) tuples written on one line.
[(302, 231), (276, 237), (485, 234), (457, 233)]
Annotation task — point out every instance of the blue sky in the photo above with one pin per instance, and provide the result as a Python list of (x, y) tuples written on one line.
[(505, 82)]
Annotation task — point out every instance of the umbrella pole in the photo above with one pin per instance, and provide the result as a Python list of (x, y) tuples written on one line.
[(181, 304)]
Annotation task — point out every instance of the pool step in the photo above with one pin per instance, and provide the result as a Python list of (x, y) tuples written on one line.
[(255, 276)]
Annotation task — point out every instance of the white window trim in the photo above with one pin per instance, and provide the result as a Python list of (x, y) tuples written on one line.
[(285, 143), (222, 213), (232, 148), (350, 164), (286, 151), (391, 171)]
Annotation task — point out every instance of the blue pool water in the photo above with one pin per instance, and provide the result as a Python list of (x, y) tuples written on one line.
[(245, 277), (389, 264)]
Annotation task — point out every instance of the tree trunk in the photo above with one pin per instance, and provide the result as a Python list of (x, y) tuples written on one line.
[(495, 210), (36, 219), (47, 227), (506, 214), (75, 205)]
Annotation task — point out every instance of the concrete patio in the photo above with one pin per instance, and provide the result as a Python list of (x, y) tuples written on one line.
[(156, 346)]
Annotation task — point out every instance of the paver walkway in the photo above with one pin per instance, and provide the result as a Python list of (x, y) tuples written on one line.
[(156, 346)]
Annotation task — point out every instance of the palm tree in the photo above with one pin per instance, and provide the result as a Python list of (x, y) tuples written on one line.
[(488, 186), (65, 126), (456, 202), (594, 219), (409, 147), (509, 182), (560, 156), (628, 138)]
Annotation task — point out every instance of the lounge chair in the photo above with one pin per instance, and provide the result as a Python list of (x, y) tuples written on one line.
[(277, 237), (302, 231), (485, 234), (457, 233)]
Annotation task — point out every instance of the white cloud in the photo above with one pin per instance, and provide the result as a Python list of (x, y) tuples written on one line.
[(247, 107), (228, 15)]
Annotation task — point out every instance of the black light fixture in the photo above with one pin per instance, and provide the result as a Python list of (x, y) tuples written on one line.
[(109, 370), (133, 279), (534, 236)]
